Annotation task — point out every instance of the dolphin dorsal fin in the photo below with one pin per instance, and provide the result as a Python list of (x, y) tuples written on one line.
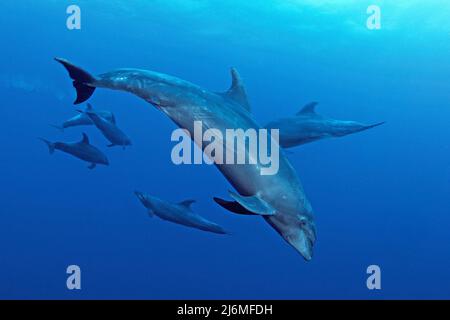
[(85, 139), (187, 203), (237, 90), (308, 108)]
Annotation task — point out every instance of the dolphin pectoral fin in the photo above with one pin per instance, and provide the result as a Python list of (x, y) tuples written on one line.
[(92, 166), (233, 206), (150, 213), (254, 204), (82, 81)]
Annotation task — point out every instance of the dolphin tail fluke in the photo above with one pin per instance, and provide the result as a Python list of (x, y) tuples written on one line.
[(82, 81), (60, 128), (50, 145)]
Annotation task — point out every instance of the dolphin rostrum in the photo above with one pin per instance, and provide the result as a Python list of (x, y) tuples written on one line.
[(180, 213), (278, 198), (82, 119), (82, 150), (108, 128), (308, 126)]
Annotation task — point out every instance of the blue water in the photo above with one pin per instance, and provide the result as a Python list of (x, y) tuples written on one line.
[(380, 197)]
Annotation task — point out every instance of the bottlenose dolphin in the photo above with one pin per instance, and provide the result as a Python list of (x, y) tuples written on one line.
[(278, 198), (82, 150), (109, 129), (308, 126), (180, 213), (82, 119)]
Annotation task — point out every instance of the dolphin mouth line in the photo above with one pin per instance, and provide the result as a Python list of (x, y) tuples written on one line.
[(303, 244)]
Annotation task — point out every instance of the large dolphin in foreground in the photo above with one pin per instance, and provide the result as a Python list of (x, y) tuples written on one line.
[(109, 129), (180, 213), (82, 150), (278, 198), (308, 126), (82, 119)]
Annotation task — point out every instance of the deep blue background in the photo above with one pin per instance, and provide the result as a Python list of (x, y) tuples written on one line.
[(380, 197)]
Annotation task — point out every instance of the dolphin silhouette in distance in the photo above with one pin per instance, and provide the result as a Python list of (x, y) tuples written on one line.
[(179, 213), (82, 119), (278, 198), (82, 150), (308, 126), (109, 129)]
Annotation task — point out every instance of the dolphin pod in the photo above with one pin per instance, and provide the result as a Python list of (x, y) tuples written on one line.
[(279, 199), (82, 150), (179, 213), (82, 119), (308, 126), (105, 122)]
